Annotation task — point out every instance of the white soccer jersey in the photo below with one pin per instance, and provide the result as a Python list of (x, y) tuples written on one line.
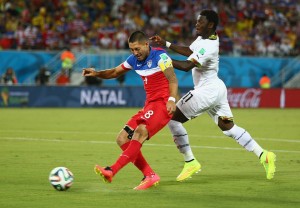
[(210, 93), (206, 57)]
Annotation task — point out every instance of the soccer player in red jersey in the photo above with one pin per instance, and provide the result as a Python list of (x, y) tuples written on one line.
[(160, 83)]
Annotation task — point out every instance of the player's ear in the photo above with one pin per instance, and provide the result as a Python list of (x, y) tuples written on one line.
[(210, 25)]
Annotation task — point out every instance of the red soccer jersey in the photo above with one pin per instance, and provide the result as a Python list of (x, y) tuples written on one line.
[(156, 84)]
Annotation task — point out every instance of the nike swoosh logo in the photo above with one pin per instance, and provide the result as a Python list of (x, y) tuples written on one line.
[(139, 65)]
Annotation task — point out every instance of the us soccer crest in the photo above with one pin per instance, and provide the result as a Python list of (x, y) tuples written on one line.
[(149, 63)]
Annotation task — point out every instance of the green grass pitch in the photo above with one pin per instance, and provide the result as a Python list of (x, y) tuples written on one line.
[(34, 141)]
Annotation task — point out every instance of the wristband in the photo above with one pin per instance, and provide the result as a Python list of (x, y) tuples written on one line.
[(168, 44), (172, 99)]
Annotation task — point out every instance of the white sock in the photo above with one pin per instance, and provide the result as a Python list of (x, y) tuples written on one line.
[(181, 139), (244, 139)]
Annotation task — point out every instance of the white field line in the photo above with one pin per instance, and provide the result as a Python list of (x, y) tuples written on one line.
[(115, 134), (109, 142)]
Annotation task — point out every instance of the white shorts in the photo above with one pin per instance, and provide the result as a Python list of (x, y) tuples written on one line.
[(210, 97)]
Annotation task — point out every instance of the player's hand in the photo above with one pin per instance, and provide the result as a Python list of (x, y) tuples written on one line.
[(171, 107), (88, 72), (158, 40)]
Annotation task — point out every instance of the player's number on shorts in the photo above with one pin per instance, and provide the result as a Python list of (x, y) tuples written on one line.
[(187, 97), (148, 114)]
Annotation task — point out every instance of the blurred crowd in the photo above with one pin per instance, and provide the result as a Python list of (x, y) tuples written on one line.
[(247, 27)]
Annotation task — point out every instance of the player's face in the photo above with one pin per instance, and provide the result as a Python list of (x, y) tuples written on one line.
[(201, 25), (140, 50)]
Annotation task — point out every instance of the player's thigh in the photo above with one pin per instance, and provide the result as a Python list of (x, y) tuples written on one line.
[(155, 117), (222, 110), (197, 101), (132, 122)]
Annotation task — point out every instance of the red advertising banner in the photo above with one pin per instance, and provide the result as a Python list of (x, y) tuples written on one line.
[(263, 98)]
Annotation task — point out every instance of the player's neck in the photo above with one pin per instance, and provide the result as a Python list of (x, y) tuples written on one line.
[(209, 34)]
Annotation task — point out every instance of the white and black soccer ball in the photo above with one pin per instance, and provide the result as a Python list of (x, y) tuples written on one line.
[(61, 178)]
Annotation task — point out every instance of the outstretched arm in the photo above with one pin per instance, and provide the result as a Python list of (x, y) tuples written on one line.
[(183, 50), (183, 65), (104, 74)]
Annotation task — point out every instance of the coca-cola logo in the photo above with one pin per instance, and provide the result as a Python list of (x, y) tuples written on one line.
[(250, 98)]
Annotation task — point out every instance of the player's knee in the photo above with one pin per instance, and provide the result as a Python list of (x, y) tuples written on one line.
[(122, 138), (225, 124), (140, 133), (129, 131)]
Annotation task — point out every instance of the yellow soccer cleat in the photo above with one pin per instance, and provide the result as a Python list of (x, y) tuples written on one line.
[(188, 170), (268, 160)]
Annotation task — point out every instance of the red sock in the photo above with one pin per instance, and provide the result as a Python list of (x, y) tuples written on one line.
[(140, 162), (127, 156)]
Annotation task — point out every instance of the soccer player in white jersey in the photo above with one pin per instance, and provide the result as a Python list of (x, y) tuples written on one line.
[(160, 83), (209, 95)]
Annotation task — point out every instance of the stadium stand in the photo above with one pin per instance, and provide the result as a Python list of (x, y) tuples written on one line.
[(247, 27)]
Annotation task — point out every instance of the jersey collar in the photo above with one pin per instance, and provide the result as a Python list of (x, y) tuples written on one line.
[(213, 37)]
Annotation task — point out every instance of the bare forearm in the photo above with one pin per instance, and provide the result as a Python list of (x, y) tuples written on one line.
[(104, 74), (182, 65), (183, 50), (173, 83), (173, 88), (107, 74)]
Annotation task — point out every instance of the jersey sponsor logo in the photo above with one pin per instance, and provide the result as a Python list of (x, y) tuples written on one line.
[(250, 98)]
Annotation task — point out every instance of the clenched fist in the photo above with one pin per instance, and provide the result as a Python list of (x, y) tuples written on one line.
[(158, 40), (89, 72)]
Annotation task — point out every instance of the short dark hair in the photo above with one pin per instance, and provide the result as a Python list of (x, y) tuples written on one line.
[(211, 16), (137, 36)]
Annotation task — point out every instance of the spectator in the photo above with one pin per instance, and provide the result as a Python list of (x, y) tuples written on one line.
[(68, 59), (121, 39), (106, 42), (69, 23), (265, 82), (9, 77), (62, 78), (42, 78)]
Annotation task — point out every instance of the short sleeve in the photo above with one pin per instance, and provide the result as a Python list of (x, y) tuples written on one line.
[(126, 65), (198, 57), (164, 61), (129, 63)]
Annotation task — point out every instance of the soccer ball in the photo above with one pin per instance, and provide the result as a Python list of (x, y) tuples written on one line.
[(61, 178)]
